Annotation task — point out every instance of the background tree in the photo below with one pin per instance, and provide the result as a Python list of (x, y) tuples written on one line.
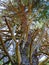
[(24, 32)]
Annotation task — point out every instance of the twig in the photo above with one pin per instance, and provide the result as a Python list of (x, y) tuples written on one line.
[(6, 50), (13, 37)]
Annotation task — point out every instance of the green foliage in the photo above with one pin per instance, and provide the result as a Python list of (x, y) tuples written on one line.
[(10, 64), (24, 2), (1, 62)]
